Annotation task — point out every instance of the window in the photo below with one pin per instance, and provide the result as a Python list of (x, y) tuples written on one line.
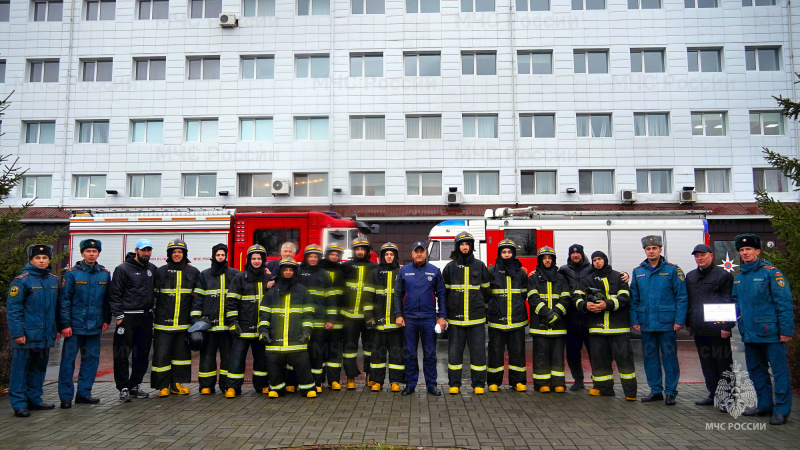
[(708, 124), (2, 70), (200, 185), (711, 181), (481, 183), (201, 130), (367, 127), (651, 124), (369, 184), (366, 65), (477, 5), (538, 182), (5, 10), (255, 184), (258, 67), (770, 180), (256, 129), (424, 127), (151, 68), (596, 181), (480, 126), (422, 6), (259, 8), (479, 63), (99, 70), (311, 185), (272, 239), (644, 4), (100, 9), (311, 128), (762, 59), (47, 11), (591, 61), (40, 132), (145, 186), (654, 181), (204, 68), (312, 66), (313, 7), (372, 7), (766, 123), (533, 5), (577, 5), (94, 132), (90, 186), (594, 125), (36, 186), (705, 59), (537, 125), (153, 9), (208, 9), (759, 2), (43, 71), (147, 131), (647, 60), (422, 64), (535, 62), (700, 3), (424, 183)]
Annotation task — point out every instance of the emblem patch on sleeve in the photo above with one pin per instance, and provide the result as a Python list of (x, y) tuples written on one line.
[(14, 291)]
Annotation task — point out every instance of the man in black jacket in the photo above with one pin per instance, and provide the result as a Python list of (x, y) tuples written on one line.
[(576, 269), (709, 284)]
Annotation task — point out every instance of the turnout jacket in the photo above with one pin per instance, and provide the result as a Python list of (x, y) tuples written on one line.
[(507, 309), (31, 308), (335, 299), (764, 303), (712, 285), (545, 296), (419, 292), (174, 288), (209, 297), (242, 303), (84, 302), (356, 274), (318, 283), (658, 296), (380, 294), (286, 313), (467, 289), (132, 287), (615, 319)]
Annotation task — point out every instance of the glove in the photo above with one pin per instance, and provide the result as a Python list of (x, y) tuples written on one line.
[(598, 297), (236, 330), (264, 337), (371, 324), (551, 318), (305, 336)]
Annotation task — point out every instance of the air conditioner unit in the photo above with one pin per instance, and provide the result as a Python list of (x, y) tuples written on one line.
[(627, 196), (228, 20), (281, 187), (454, 198), (688, 196)]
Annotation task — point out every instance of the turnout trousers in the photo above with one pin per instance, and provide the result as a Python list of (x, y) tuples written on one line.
[(475, 337), (215, 342), (89, 347), (333, 355), (172, 360), (353, 330), (760, 358), (606, 348), (548, 361), (392, 343), (715, 358), (316, 350), (132, 340), (300, 363), (658, 347), (238, 360), (514, 341)]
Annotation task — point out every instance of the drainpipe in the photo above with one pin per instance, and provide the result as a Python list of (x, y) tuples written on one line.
[(66, 106)]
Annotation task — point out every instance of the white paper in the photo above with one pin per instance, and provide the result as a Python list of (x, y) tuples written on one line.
[(719, 312), (438, 329)]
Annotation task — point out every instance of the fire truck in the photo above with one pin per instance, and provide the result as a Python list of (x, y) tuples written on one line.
[(617, 234), (203, 228)]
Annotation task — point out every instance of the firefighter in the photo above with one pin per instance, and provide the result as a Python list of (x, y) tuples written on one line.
[(334, 324), (359, 321), (467, 289), (285, 321), (209, 306), (318, 283), (389, 337), (605, 298), (507, 314), (245, 296), (174, 285), (548, 299)]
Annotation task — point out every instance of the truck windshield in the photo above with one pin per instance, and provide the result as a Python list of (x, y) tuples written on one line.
[(342, 237), (272, 239), (441, 250)]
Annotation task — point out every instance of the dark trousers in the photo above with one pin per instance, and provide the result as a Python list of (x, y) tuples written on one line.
[(414, 330), (577, 337), (715, 358), (333, 355), (316, 350), (390, 342), (214, 342), (475, 337), (132, 339), (353, 329), (28, 367), (661, 347), (612, 347), (760, 359), (548, 361), (172, 360), (514, 340), (237, 361), (89, 347), (300, 363)]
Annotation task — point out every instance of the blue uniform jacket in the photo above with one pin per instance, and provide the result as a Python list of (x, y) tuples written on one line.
[(658, 296), (417, 291), (31, 308), (764, 302), (84, 299)]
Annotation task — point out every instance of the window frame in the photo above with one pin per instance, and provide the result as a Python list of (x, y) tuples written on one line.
[(477, 174), (784, 181), (419, 174), (584, 6), (307, 175), (147, 131), (474, 5), (649, 172), (592, 172), (197, 194), (311, 7), (417, 65), (363, 133), (363, 178), (762, 127), (252, 175), (149, 60), (477, 117), (362, 57), (204, 60), (419, 118), (704, 188), (364, 7), (310, 122), (528, 6), (590, 129), (533, 174), (36, 187), (205, 14), (145, 178), (255, 73), (310, 68), (257, 8), (699, 60), (200, 123), (5, 10), (43, 73), (643, 61), (93, 133), (473, 55), (647, 115), (418, 7), (38, 124), (529, 54), (586, 53), (639, 4), (96, 70), (98, 13), (255, 133), (89, 179), (151, 9), (756, 59), (695, 4), (532, 119), (703, 126), (50, 14)]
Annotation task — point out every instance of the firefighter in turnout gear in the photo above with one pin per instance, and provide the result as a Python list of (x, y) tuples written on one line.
[(507, 315), (318, 283), (357, 312), (245, 296), (173, 285), (209, 306), (334, 323), (389, 337), (467, 290), (605, 297), (285, 321), (548, 299)]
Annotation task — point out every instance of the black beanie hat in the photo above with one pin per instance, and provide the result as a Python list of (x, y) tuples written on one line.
[(599, 254)]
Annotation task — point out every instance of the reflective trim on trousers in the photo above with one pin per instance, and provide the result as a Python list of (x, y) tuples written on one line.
[(627, 376), (259, 374), (516, 368), (161, 369), (455, 366), (603, 378)]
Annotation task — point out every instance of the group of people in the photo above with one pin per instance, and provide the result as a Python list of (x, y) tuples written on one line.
[(303, 322)]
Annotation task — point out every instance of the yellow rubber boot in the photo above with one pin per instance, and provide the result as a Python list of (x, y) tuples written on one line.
[(319, 389), (230, 393), (273, 394), (335, 386), (544, 389), (205, 391), (395, 387), (178, 389), (630, 399), (493, 388), (369, 382), (163, 393), (521, 387), (351, 383), (311, 394), (478, 390), (559, 389), (454, 390), (595, 392), (376, 387), (265, 390), (290, 389)]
